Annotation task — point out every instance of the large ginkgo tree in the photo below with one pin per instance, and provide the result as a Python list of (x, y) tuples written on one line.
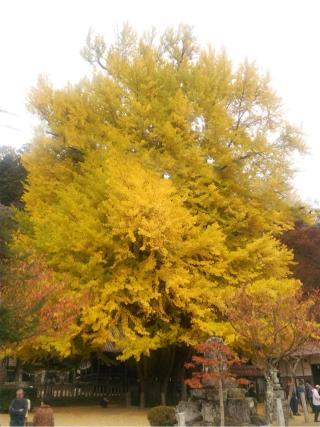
[(157, 186)]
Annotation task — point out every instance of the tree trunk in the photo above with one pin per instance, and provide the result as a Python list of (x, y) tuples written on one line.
[(269, 398), (292, 377), (142, 378), (184, 395), (304, 407), (290, 391), (163, 397), (221, 403), (180, 370), (142, 402), (165, 381)]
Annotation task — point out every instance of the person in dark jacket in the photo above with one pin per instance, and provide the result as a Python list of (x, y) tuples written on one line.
[(251, 391), (44, 415), (18, 409), (294, 402)]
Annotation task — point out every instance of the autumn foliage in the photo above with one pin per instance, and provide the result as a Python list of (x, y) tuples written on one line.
[(273, 320), (213, 362), (36, 304), (156, 189)]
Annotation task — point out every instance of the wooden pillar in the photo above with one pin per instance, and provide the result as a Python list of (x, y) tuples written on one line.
[(98, 370), (302, 369), (128, 398), (2, 375), (309, 359), (126, 386)]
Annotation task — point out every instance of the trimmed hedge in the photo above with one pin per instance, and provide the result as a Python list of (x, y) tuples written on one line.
[(8, 392), (162, 416)]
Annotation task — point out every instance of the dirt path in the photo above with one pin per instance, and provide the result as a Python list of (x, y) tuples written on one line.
[(299, 421), (116, 416), (94, 416)]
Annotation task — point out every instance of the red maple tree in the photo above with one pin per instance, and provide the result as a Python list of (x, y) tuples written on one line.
[(212, 367)]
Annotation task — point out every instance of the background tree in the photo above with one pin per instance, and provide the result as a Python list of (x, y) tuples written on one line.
[(271, 322), (212, 367), (6, 228), (304, 240), (33, 303), (12, 176)]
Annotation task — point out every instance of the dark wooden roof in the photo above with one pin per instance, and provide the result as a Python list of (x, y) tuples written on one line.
[(247, 371)]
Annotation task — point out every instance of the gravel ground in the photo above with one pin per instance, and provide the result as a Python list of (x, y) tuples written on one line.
[(116, 416), (299, 421), (94, 416)]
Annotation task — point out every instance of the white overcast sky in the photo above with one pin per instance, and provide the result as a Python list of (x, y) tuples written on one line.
[(282, 36)]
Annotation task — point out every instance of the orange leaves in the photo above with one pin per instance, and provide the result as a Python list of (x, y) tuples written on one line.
[(212, 363), (194, 382), (39, 301), (272, 319)]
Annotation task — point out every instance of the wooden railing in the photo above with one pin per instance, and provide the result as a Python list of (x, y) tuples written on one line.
[(81, 390)]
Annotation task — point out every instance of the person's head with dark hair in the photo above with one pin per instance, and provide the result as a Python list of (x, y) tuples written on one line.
[(20, 394), (45, 401)]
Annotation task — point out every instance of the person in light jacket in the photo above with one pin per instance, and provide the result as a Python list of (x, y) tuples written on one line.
[(316, 402)]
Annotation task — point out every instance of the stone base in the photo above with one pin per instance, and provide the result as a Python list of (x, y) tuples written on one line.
[(209, 412), (204, 409), (239, 410)]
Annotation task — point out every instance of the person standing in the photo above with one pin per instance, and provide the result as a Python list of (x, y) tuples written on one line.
[(44, 415), (316, 402), (18, 409), (301, 388), (294, 403), (251, 391)]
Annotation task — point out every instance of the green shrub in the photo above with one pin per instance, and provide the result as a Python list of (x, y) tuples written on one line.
[(162, 416), (8, 392)]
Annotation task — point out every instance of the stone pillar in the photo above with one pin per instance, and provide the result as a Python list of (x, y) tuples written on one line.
[(279, 411), (279, 400), (181, 419)]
